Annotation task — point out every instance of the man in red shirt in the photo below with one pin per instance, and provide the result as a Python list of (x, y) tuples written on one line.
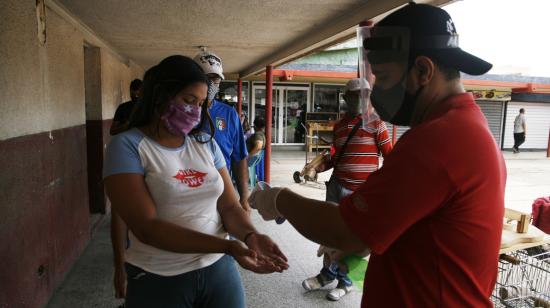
[(356, 156), (432, 215)]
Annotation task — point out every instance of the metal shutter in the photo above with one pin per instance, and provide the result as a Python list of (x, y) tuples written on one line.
[(537, 118), (494, 112), (399, 132)]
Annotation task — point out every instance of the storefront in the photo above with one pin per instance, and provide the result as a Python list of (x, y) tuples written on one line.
[(537, 118), (492, 103), (290, 103), (292, 99)]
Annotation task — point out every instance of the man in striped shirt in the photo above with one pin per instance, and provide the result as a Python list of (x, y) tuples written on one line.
[(352, 163)]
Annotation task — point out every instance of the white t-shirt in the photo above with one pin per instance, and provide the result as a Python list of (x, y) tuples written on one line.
[(518, 124), (185, 185)]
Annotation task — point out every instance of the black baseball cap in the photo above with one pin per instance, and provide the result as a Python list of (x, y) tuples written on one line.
[(432, 34)]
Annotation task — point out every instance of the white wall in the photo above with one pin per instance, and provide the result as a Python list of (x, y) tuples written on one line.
[(115, 82), (20, 73), (42, 87), (64, 75)]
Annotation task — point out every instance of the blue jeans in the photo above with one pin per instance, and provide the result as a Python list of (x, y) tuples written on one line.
[(331, 271), (215, 286), (335, 191)]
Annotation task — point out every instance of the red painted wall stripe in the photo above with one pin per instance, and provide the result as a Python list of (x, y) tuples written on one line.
[(44, 214)]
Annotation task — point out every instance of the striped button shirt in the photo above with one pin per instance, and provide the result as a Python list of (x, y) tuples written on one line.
[(362, 151)]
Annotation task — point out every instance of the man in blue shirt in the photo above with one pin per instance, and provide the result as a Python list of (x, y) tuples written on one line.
[(228, 130)]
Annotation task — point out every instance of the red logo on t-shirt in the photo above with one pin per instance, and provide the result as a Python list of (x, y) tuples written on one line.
[(192, 178)]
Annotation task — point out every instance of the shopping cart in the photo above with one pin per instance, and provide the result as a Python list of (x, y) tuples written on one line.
[(524, 265), (523, 279)]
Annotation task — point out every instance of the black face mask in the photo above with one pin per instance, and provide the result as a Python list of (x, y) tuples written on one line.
[(395, 105), (352, 105)]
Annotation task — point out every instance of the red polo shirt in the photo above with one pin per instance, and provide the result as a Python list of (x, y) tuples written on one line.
[(432, 215)]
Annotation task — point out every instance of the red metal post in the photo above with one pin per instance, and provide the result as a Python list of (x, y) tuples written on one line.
[(268, 104), (239, 97), (393, 134)]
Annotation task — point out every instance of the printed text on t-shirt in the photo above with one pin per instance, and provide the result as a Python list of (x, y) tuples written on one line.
[(190, 177)]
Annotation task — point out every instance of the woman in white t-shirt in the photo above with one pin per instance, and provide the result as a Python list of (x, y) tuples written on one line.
[(168, 182)]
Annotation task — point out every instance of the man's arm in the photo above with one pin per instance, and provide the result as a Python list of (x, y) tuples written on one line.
[(258, 145), (238, 159), (362, 218), (118, 241), (383, 139), (324, 164), (241, 172), (328, 228), (327, 161)]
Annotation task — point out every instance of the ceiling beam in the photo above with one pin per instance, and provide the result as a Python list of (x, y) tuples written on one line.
[(90, 37), (339, 30)]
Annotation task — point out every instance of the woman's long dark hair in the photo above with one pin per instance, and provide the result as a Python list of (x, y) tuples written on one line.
[(160, 84)]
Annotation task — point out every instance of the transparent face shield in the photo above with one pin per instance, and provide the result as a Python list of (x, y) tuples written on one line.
[(368, 113), (383, 62)]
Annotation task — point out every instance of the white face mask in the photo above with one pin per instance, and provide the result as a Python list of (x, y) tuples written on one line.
[(213, 89)]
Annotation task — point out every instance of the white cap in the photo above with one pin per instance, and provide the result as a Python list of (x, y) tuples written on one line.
[(357, 84), (210, 63)]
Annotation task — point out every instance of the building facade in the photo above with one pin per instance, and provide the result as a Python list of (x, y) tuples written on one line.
[(316, 84)]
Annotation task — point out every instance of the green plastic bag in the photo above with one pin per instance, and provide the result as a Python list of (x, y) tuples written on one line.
[(357, 267)]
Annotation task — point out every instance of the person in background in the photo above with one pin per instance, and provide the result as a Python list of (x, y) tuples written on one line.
[(356, 157), (167, 180), (300, 131), (520, 129), (255, 146), (248, 131), (124, 111), (119, 230), (228, 131), (432, 215), (256, 143)]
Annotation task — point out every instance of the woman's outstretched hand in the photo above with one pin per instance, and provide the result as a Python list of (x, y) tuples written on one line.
[(267, 249), (251, 260)]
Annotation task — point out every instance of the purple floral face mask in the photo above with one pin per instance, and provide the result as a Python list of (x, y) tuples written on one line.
[(180, 119)]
